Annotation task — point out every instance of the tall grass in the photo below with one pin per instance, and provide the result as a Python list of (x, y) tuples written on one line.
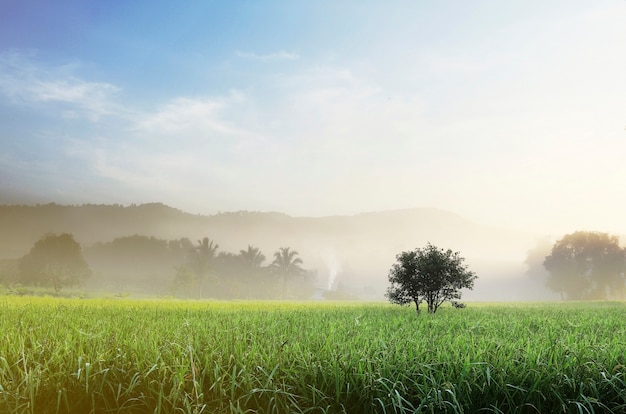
[(125, 356)]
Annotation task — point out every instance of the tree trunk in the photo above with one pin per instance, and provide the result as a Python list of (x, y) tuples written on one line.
[(431, 303), (417, 307)]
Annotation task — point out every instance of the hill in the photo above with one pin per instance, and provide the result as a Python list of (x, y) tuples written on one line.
[(356, 250)]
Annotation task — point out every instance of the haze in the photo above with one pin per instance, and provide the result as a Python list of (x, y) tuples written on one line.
[(511, 114), (141, 250)]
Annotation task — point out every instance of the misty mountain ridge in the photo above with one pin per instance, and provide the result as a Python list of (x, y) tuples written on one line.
[(355, 249), (91, 223)]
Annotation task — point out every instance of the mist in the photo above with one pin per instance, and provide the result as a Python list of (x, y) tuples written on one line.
[(143, 250)]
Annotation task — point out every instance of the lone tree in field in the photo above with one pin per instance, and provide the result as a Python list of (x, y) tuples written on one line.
[(587, 265), (430, 274), (55, 260)]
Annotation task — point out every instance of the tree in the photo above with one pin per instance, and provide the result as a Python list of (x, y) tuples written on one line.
[(535, 258), (201, 260), (587, 265), (430, 274), (252, 257), (286, 265), (54, 260), (184, 280), (137, 261), (252, 272)]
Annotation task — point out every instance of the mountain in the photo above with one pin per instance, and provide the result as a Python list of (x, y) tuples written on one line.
[(354, 250)]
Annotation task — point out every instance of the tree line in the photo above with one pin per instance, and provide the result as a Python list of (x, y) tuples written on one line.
[(242, 274), (178, 267), (583, 265), (580, 266)]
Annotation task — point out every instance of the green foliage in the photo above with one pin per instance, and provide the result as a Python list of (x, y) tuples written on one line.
[(243, 276), (254, 279), (136, 261), (54, 260), (587, 265), (430, 274), (252, 258), (184, 281), (100, 356), (286, 265), (225, 275), (202, 259), (199, 267)]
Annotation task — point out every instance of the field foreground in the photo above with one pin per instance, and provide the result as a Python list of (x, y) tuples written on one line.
[(124, 356)]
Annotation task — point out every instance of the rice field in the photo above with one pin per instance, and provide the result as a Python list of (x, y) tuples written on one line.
[(167, 356)]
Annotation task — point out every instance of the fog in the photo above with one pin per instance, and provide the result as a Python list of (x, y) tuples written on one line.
[(510, 114), (139, 250)]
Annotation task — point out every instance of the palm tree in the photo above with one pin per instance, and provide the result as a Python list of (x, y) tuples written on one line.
[(252, 258), (286, 264), (203, 259), (251, 270)]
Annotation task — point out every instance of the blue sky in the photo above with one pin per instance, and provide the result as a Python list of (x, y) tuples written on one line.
[(509, 113)]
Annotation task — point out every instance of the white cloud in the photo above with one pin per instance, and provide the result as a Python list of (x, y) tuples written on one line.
[(199, 116), (26, 81), (334, 115)]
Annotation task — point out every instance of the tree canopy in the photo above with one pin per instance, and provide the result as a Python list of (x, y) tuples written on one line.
[(428, 274), (286, 265), (587, 265), (199, 266), (241, 275), (54, 260)]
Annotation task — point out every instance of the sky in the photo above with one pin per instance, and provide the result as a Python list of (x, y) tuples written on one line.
[(511, 114)]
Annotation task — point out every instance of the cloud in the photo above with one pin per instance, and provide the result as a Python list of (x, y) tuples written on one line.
[(280, 55), (318, 126), (448, 127), (200, 116), (189, 148), (332, 112), (27, 81)]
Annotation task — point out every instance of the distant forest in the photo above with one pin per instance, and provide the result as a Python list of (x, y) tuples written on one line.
[(149, 265), (154, 249), (176, 267)]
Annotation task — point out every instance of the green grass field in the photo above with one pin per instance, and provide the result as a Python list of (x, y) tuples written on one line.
[(125, 356)]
